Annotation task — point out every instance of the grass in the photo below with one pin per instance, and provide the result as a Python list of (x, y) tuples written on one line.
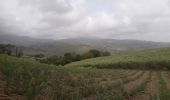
[(148, 59), (164, 91), (32, 79), (84, 79), (23, 77)]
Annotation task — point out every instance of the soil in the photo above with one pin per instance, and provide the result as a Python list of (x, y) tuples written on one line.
[(114, 82), (151, 90), (133, 84)]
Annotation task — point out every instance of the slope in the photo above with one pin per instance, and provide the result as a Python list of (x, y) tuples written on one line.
[(153, 58)]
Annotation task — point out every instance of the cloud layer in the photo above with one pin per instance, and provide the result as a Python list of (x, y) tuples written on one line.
[(56, 19)]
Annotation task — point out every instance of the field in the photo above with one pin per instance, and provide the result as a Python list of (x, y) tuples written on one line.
[(148, 59), (23, 79)]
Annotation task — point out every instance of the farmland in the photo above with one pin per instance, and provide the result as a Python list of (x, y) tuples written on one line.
[(25, 79), (148, 59)]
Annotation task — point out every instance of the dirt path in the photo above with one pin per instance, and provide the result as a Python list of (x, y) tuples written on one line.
[(3, 96), (151, 90)]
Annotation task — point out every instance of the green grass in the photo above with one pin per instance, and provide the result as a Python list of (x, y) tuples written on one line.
[(23, 77), (81, 80), (148, 59), (164, 91), (32, 79)]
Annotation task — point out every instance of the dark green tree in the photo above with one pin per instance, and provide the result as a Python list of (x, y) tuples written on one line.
[(106, 53), (67, 58), (18, 52), (96, 53), (6, 49)]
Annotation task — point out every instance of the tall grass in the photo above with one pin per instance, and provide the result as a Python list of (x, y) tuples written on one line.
[(32, 79)]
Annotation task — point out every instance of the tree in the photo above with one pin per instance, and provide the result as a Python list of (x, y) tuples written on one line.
[(75, 57), (6, 49), (67, 58), (96, 53), (87, 55), (54, 60), (39, 55), (106, 53), (93, 53), (18, 52)]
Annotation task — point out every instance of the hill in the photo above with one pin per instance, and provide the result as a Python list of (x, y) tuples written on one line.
[(147, 59), (79, 45), (113, 44)]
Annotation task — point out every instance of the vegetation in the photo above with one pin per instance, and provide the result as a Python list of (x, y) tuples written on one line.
[(142, 86), (37, 81), (148, 59), (164, 91), (71, 57), (11, 50), (23, 77), (30, 79)]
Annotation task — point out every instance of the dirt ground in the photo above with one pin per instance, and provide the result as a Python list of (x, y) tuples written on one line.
[(133, 84), (151, 90)]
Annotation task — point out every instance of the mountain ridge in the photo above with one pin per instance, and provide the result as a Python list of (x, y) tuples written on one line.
[(79, 45)]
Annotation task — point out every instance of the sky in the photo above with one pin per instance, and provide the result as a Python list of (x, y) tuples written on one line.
[(59, 19)]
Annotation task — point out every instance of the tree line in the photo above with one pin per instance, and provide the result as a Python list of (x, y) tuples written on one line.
[(71, 57), (11, 50), (67, 58)]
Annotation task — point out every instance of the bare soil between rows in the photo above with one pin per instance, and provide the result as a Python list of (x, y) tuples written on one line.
[(151, 90)]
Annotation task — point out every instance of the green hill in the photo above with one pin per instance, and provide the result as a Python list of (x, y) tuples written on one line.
[(153, 58)]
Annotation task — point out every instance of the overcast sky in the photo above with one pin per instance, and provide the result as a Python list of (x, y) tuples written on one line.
[(57, 19)]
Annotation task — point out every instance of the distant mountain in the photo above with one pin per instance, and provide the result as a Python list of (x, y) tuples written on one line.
[(79, 45), (114, 45), (20, 40)]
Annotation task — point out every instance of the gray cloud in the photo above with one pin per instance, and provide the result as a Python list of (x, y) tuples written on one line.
[(122, 19)]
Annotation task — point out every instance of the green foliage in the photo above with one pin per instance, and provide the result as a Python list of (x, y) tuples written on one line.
[(23, 77), (93, 53), (11, 50), (6, 49), (38, 55), (105, 53), (149, 59), (18, 52), (52, 60), (29, 78), (72, 57), (164, 91)]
